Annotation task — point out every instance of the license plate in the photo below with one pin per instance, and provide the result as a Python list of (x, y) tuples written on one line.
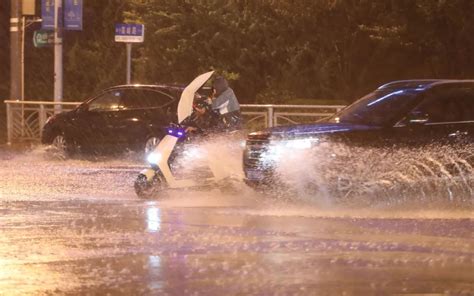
[(255, 175)]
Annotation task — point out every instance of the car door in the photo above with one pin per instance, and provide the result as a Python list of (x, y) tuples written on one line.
[(462, 100), (142, 115), (95, 120), (440, 119)]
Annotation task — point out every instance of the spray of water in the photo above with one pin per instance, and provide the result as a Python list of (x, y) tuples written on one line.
[(219, 156), (330, 176), (338, 173), (35, 174)]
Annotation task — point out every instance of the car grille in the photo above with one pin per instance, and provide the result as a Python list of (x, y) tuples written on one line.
[(254, 150)]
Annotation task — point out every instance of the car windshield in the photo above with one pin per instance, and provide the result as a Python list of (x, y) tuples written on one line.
[(377, 108)]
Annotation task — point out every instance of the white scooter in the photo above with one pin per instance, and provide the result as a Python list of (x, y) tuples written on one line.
[(156, 180)]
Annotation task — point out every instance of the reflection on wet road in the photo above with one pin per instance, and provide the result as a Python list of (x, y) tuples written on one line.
[(76, 227)]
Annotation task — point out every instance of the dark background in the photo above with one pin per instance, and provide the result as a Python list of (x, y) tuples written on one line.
[(305, 51)]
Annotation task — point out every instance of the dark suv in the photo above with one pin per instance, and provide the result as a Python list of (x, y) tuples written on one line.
[(131, 117), (412, 113)]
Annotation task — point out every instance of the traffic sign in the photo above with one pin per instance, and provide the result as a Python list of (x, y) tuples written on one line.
[(71, 12), (73, 15), (47, 14), (130, 33), (43, 38)]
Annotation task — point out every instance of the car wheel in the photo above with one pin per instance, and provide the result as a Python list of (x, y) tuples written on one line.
[(151, 144), (60, 148)]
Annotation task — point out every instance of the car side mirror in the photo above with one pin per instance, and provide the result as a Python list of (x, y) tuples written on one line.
[(418, 118)]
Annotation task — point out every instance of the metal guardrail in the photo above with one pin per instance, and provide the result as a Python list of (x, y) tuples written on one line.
[(25, 119), (275, 115)]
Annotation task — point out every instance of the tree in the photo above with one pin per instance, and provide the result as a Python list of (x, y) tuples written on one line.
[(92, 60), (272, 50)]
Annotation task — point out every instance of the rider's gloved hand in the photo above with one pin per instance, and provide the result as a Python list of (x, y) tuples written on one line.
[(191, 129)]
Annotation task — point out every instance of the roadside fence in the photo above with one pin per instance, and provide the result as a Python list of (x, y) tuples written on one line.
[(25, 119)]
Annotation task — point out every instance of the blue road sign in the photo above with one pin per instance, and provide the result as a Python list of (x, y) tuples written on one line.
[(130, 33), (47, 14), (73, 15)]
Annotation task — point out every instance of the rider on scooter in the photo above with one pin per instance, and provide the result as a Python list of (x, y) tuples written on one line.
[(225, 102), (203, 117)]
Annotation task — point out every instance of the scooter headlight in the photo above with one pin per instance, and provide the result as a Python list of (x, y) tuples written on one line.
[(154, 158)]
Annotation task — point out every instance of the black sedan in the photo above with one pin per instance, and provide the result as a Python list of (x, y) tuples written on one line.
[(128, 117), (402, 114)]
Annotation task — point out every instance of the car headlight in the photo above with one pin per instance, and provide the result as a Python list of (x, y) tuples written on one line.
[(299, 144), (154, 158), (280, 148)]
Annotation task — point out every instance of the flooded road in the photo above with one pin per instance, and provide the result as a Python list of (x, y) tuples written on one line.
[(76, 227)]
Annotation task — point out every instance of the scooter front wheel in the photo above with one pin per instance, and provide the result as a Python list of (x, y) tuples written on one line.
[(150, 188)]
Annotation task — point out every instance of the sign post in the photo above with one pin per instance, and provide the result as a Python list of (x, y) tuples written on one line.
[(58, 55), (129, 61), (129, 33), (55, 19)]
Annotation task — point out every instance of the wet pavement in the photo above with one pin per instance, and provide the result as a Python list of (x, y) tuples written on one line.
[(76, 227)]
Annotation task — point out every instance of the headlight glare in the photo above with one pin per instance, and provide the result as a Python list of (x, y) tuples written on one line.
[(299, 144), (154, 158)]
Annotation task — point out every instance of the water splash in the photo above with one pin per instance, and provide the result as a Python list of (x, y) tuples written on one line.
[(219, 156), (337, 172), (329, 175)]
